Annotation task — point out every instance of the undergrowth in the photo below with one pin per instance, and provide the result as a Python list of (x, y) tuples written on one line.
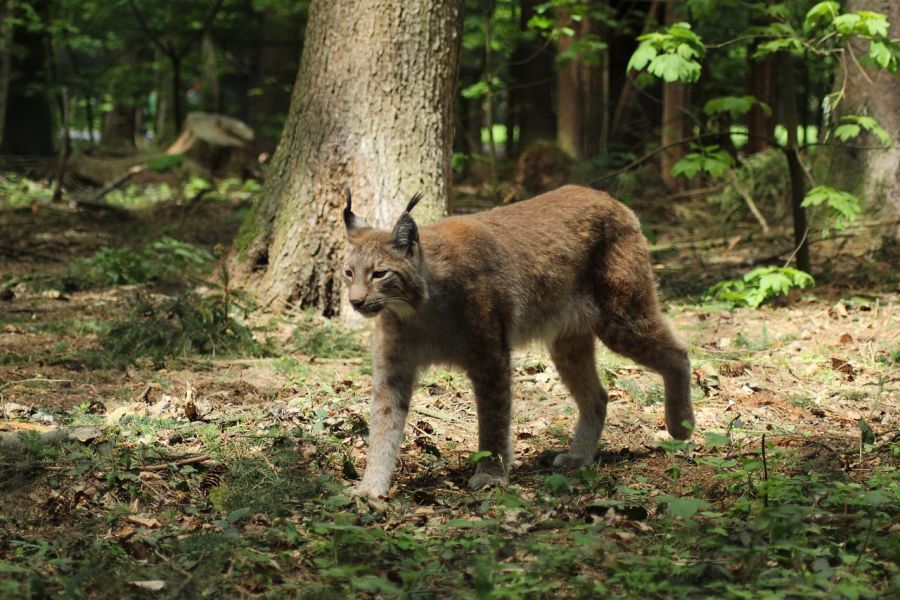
[(269, 514), (188, 324)]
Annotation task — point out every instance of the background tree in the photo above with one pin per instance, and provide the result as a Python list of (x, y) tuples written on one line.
[(872, 173), (28, 128), (371, 110)]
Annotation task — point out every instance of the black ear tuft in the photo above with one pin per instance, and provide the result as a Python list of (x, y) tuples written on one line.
[(351, 221), (348, 208), (405, 234), (413, 201)]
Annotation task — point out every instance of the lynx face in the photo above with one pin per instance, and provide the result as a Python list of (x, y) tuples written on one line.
[(384, 270)]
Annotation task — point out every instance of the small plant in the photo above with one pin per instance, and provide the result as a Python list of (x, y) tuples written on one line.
[(325, 339), (187, 324), (21, 191), (759, 285), (165, 260)]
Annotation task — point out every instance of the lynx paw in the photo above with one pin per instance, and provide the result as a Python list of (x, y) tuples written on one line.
[(481, 480), (369, 491), (571, 461)]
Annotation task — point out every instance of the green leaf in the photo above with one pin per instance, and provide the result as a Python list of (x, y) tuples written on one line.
[(557, 484), (844, 205), (685, 507), (880, 54), (823, 11), (847, 131), (479, 456), (237, 515), (641, 57)]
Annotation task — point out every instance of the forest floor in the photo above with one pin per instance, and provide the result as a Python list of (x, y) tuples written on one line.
[(159, 438)]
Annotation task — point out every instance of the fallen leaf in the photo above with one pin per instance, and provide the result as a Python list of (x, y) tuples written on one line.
[(846, 339), (149, 522), (842, 366), (85, 434), (152, 585)]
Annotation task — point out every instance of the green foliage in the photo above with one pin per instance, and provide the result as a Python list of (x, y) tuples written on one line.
[(711, 160), (852, 125), (140, 196), (165, 260), (324, 338), (16, 191), (759, 285), (735, 106), (672, 55), (764, 176), (165, 162), (187, 325), (843, 206)]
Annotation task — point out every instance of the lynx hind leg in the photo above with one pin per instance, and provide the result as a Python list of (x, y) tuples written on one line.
[(493, 397), (574, 359), (648, 340)]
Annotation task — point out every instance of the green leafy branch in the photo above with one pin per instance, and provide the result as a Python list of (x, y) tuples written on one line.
[(759, 285), (671, 54)]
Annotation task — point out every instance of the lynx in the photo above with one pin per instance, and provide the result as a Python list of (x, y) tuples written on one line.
[(562, 267)]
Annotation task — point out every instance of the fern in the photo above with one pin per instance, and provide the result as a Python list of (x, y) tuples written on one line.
[(759, 285)]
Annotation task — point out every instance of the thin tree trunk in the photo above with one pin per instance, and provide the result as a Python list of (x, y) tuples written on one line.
[(760, 123), (579, 99), (177, 92), (371, 110), (795, 167), (675, 124), (628, 93), (279, 52), (6, 30), (534, 80), (28, 128)]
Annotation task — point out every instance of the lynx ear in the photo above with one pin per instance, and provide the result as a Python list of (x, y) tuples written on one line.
[(352, 222), (405, 234)]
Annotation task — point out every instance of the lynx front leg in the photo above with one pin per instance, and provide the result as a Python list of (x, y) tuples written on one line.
[(390, 405), (491, 380), (574, 359)]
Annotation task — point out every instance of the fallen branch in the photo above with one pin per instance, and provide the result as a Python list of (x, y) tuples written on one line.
[(118, 181), (192, 460)]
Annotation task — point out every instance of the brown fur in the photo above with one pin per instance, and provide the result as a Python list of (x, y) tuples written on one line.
[(563, 267)]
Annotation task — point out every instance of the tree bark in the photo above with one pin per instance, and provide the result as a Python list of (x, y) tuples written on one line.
[(761, 125), (579, 99), (534, 78), (28, 128), (6, 12), (675, 123), (873, 174), (279, 51), (371, 110), (795, 167)]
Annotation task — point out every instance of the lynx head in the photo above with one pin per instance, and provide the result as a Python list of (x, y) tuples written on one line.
[(384, 269)]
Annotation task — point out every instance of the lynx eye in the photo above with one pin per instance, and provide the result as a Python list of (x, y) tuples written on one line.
[(379, 274), (348, 273)]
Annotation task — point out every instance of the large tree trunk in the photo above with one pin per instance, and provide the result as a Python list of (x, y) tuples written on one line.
[(28, 128), (873, 174), (371, 110), (579, 99)]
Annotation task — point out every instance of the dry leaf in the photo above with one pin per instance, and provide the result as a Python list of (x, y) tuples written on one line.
[(152, 585)]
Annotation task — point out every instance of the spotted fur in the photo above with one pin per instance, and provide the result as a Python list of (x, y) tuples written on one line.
[(565, 267)]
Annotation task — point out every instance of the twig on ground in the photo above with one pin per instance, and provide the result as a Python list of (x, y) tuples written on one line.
[(177, 463)]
